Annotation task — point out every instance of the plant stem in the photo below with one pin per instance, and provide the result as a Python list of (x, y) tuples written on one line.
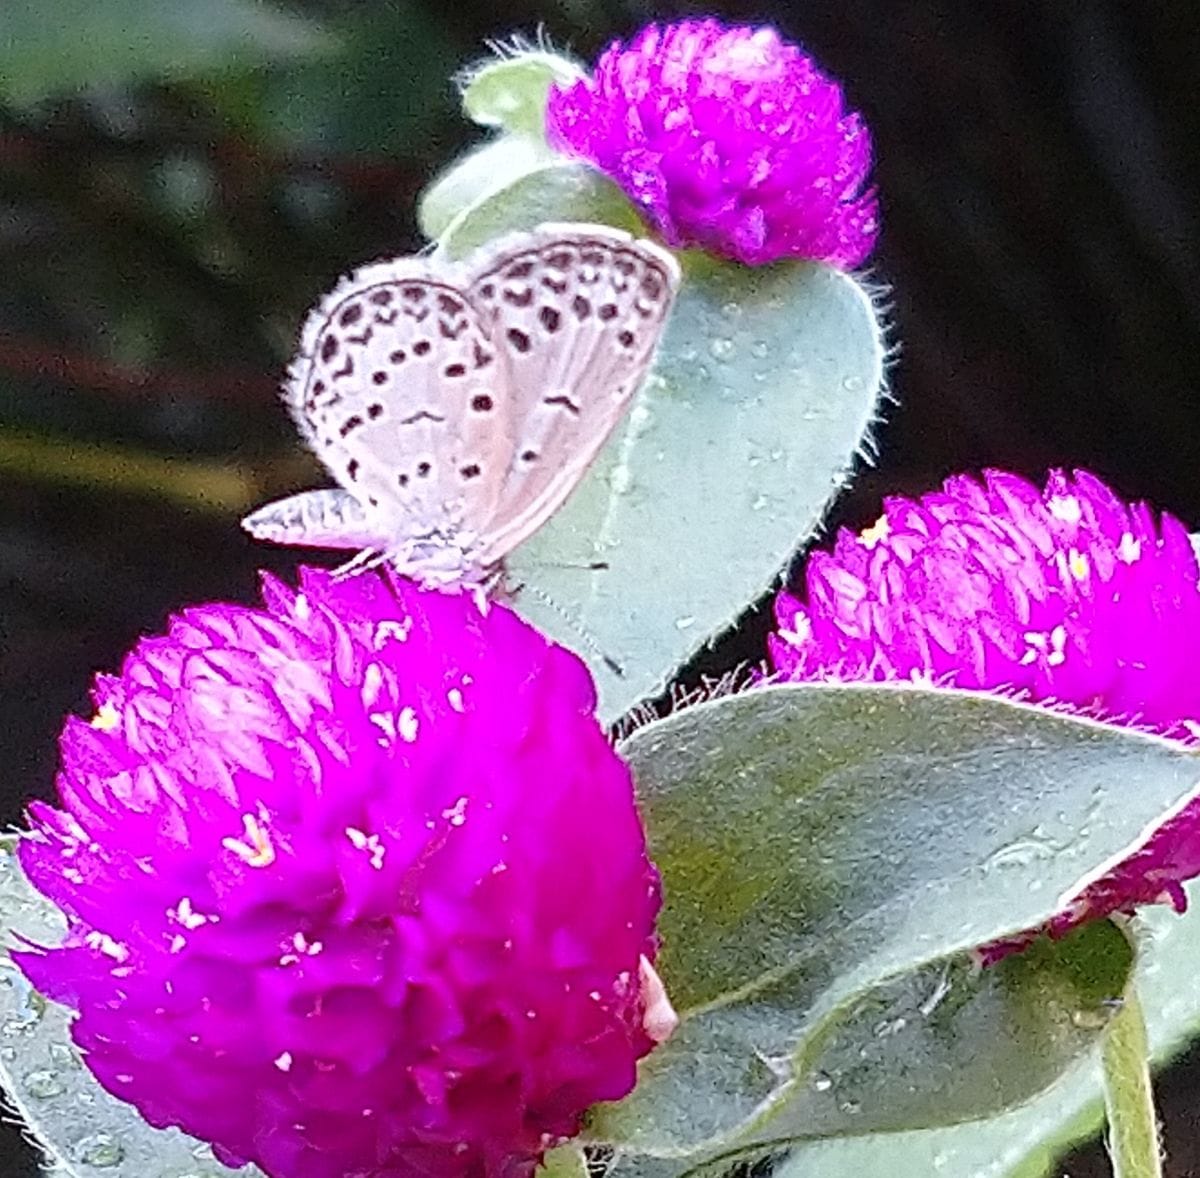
[(1128, 1098)]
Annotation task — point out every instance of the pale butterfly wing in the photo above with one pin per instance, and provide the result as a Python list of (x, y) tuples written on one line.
[(575, 312), (458, 406), (395, 389)]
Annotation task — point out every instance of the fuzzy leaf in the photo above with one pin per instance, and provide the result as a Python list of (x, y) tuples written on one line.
[(827, 851), (510, 92), (764, 388), (1027, 1142)]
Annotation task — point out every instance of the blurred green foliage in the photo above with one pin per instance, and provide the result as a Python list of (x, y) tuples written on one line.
[(178, 180)]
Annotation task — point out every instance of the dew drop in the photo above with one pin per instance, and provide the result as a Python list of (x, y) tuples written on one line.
[(853, 384), (64, 1055), (721, 349), (101, 1150), (760, 349), (44, 1083), (822, 1083), (685, 623), (731, 310)]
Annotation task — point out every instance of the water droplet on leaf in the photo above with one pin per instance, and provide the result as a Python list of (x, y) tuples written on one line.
[(98, 1149), (44, 1084)]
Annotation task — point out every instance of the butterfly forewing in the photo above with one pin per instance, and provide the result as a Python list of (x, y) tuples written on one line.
[(574, 314), (397, 389)]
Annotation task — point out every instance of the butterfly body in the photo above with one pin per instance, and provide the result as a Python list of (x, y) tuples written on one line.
[(457, 405)]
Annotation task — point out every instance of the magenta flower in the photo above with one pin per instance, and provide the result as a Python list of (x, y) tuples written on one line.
[(727, 138), (354, 886), (1067, 596)]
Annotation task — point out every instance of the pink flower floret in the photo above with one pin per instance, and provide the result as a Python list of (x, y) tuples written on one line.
[(728, 138)]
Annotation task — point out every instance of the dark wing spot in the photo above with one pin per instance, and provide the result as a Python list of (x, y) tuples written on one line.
[(318, 387), (593, 256), (379, 377), (454, 370), (398, 356), (414, 294), (625, 339), (470, 471), (402, 480), (528, 455), (488, 290), (607, 311), (518, 339), (449, 305), (563, 400), (423, 469), (481, 403), (521, 269), (559, 260), (329, 347), (550, 319), (581, 306), (374, 411), (350, 425), (624, 264), (351, 315), (421, 347), (381, 298), (482, 356), (519, 298), (352, 468)]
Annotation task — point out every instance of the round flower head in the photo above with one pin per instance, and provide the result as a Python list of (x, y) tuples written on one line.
[(354, 886), (1066, 596), (727, 138)]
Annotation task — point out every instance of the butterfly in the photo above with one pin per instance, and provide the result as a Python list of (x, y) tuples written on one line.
[(459, 404)]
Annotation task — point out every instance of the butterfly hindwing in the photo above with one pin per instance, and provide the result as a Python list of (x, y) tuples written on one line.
[(574, 313)]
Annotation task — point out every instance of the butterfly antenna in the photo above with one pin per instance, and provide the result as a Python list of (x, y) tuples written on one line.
[(589, 643)]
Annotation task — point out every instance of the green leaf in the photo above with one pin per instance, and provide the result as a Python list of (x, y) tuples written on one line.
[(567, 1161), (826, 851), (82, 1130), (765, 385), (1026, 1142), (476, 176), (48, 48), (511, 92), (508, 94)]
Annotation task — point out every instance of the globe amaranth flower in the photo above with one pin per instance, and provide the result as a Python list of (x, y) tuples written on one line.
[(354, 885), (729, 138), (1065, 596)]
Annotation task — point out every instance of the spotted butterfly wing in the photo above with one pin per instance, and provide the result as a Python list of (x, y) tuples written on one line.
[(453, 407), (575, 314)]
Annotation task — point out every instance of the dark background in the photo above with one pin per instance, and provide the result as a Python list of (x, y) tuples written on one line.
[(180, 178)]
